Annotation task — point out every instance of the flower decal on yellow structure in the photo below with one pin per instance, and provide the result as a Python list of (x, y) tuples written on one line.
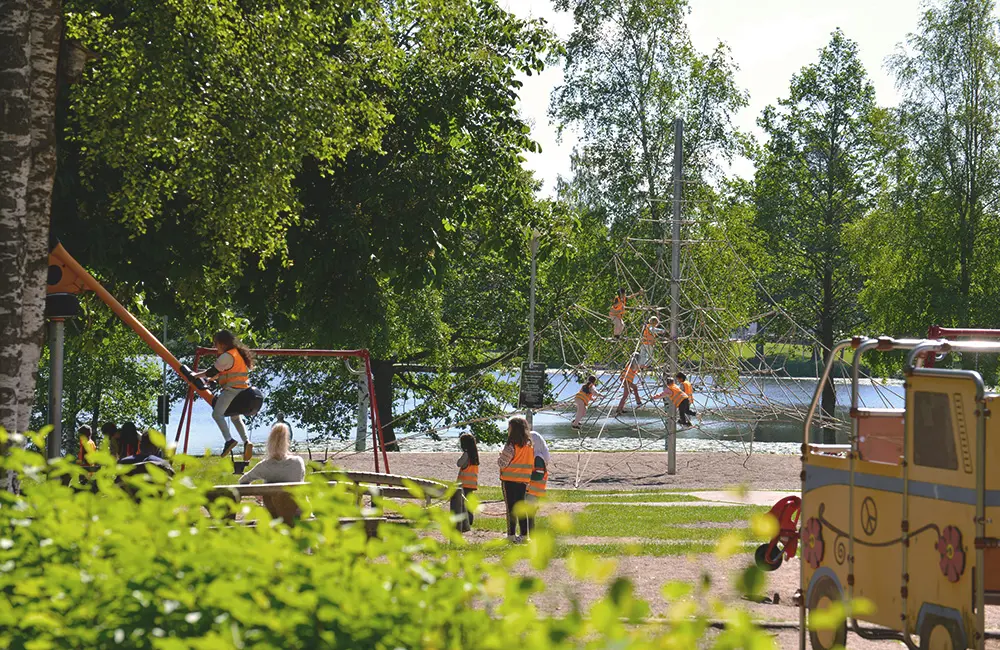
[(952, 554), (812, 542)]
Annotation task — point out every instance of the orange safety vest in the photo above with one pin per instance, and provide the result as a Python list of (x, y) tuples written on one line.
[(688, 388), (630, 373), (676, 394), (536, 487), (519, 470), (618, 307), (237, 376), (585, 396), (648, 337), (468, 477), (86, 445)]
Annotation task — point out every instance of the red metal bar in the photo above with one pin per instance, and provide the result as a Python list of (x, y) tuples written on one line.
[(938, 332), (184, 410), (948, 333), (277, 352), (187, 431), (376, 421)]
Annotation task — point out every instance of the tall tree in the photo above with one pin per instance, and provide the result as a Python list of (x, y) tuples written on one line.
[(30, 37), (933, 247), (815, 178), (630, 70)]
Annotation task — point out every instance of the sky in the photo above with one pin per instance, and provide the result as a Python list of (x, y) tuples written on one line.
[(770, 41)]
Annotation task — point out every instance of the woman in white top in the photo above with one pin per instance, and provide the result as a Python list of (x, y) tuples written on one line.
[(280, 466)]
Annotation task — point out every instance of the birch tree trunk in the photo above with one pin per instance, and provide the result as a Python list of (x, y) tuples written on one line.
[(15, 168), (30, 32), (46, 30)]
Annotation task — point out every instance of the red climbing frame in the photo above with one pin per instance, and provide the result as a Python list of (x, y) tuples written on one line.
[(377, 442)]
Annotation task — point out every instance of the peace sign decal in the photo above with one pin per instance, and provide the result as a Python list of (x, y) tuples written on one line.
[(869, 516)]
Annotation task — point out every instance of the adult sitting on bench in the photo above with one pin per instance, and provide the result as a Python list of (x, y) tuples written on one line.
[(280, 466)]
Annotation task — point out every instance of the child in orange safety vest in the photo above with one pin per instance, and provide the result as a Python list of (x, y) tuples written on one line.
[(468, 469), (649, 334), (231, 371), (685, 385), (516, 462), (679, 399), (583, 398), (628, 384), (617, 312)]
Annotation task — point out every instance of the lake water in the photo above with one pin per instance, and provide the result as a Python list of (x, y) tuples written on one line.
[(766, 413)]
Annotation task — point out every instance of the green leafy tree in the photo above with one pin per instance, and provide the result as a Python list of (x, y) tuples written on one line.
[(393, 244), (630, 70), (817, 176), (192, 122), (933, 245)]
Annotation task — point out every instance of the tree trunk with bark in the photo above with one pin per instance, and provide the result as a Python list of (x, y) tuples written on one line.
[(30, 34), (15, 169), (829, 399), (383, 373), (46, 32)]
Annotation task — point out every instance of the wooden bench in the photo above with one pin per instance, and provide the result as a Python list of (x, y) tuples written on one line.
[(279, 501)]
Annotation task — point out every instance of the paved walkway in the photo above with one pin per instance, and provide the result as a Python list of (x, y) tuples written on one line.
[(753, 497)]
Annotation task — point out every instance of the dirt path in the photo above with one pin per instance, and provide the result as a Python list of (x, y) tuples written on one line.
[(612, 471)]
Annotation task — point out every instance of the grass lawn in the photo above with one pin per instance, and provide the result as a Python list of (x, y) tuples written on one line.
[(597, 496), (675, 523)]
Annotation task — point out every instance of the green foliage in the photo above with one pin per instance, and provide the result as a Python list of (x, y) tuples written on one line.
[(82, 569), (931, 247), (206, 113), (817, 176)]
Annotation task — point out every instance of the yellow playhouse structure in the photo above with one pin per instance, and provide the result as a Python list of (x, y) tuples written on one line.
[(906, 515)]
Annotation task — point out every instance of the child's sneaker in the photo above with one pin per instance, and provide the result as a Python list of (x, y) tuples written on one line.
[(230, 445), (247, 451)]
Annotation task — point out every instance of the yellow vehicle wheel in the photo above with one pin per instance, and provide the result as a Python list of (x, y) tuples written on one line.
[(824, 594), (939, 633)]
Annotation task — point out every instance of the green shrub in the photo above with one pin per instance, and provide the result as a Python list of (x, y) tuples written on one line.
[(83, 568)]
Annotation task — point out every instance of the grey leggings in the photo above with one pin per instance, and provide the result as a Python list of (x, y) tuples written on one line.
[(226, 398)]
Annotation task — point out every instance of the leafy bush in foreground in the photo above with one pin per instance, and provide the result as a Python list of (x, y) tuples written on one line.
[(96, 569)]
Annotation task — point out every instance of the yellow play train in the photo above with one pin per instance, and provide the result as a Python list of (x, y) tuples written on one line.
[(906, 515)]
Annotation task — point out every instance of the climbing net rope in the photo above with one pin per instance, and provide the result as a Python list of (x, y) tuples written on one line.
[(751, 364)]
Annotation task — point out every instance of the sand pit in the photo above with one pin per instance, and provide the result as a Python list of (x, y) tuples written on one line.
[(612, 471)]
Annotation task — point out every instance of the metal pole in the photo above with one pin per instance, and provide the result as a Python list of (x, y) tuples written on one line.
[(531, 313), (361, 439), (57, 338), (675, 291)]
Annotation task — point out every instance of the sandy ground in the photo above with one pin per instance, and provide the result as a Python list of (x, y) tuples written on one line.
[(612, 471)]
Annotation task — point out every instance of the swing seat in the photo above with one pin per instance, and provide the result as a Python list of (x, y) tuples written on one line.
[(248, 402)]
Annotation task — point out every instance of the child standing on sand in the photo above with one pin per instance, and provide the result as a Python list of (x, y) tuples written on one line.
[(468, 469), (583, 398), (516, 462)]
